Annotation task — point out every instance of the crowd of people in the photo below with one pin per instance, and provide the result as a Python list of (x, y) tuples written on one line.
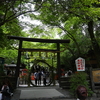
[(39, 76), (42, 75)]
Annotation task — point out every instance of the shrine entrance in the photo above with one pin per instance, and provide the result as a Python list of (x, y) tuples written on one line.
[(20, 49), (49, 74)]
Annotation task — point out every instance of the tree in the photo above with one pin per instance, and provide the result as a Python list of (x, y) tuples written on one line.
[(10, 10), (9, 55), (58, 12)]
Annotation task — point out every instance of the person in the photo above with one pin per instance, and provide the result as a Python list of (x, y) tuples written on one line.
[(44, 78), (36, 77), (39, 77), (81, 93), (6, 90)]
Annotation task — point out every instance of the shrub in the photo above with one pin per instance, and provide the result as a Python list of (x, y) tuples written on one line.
[(77, 79)]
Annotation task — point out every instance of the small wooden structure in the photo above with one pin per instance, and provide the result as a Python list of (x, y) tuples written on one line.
[(21, 39)]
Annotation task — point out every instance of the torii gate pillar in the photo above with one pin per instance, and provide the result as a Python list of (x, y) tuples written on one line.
[(18, 61), (58, 63)]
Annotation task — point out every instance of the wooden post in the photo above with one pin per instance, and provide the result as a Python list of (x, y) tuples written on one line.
[(91, 79), (18, 62), (58, 63)]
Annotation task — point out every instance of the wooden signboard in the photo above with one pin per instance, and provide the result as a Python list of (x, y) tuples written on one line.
[(96, 76)]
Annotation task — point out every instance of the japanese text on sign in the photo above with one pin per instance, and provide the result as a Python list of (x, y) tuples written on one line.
[(80, 64)]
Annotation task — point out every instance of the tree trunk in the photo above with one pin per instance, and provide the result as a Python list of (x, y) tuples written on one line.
[(94, 42)]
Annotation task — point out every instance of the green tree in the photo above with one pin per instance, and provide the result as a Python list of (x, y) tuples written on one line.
[(57, 13), (10, 10)]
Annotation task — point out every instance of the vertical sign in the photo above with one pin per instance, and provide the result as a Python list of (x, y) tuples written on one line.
[(80, 64)]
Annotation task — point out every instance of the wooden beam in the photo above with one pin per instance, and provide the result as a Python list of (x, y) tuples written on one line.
[(39, 40), (37, 50)]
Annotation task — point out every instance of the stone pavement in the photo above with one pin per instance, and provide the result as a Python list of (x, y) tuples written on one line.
[(45, 93)]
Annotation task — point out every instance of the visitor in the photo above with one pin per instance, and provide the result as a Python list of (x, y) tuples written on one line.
[(39, 77), (36, 77), (6, 90), (81, 93), (44, 78)]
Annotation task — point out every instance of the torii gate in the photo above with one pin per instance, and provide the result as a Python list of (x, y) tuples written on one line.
[(21, 39)]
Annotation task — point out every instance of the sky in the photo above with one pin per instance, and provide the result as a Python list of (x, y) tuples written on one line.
[(28, 20)]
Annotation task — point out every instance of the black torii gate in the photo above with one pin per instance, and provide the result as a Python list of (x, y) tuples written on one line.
[(21, 39)]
